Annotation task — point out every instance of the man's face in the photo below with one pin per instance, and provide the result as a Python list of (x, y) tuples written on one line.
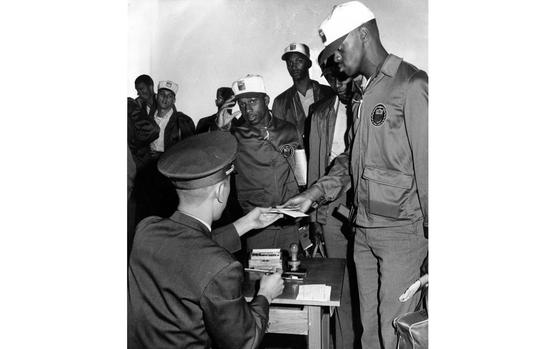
[(253, 109), (298, 65), (340, 83), (166, 98), (145, 92), (349, 54)]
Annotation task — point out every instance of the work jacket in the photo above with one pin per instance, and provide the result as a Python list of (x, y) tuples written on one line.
[(141, 131), (388, 156), (179, 127), (265, 163), (323, 116), (185, 290), (207, 124), (287, 106)]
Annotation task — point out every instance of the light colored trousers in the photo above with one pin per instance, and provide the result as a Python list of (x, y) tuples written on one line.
[(387, 261)]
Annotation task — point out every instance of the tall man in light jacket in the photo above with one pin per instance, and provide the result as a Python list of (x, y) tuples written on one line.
[(388, 164)]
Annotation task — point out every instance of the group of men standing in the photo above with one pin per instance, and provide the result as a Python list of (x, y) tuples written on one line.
[(365, 140)]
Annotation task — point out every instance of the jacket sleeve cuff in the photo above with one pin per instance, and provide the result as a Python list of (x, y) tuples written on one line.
[(316, 195)]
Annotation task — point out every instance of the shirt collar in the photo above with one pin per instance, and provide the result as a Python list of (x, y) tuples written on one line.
[(190, 220), (389, 68), (166, 115)]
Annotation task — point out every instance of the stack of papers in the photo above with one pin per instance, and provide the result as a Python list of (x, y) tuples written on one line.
[(266, 259), (320, 292)]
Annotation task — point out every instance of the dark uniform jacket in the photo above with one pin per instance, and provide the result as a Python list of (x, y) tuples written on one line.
[(287, 106), (185, 291), (207, 124), (322, 117), (389, 151), (265, 163)]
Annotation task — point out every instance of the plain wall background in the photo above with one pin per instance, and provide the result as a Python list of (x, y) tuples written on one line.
[(205, 44)]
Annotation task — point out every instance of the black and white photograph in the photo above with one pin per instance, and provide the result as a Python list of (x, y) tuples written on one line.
[(295, 213), (280, 158)]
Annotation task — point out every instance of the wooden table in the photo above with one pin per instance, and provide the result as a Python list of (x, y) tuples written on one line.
[(309, 318)]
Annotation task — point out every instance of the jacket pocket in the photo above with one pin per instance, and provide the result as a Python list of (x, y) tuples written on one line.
[(249, 199), (387, 191)]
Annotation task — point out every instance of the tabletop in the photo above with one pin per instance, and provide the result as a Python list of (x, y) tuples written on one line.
[(328, 271)]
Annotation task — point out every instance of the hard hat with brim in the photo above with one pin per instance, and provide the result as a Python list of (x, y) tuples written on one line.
[(249, 86), (343, 19), (301, 49), (168, 85)]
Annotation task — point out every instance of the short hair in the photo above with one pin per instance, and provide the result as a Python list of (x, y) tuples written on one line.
[(144, 79), (224, 92)]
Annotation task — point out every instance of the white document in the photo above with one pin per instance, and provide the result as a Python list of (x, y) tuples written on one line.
[(301, 167), (320, 292), (288, 212)]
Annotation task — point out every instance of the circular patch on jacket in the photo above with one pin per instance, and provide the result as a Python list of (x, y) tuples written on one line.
[(287, 150), (378, 115)]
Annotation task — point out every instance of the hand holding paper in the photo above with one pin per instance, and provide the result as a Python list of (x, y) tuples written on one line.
[(299, 202), (289, 212)]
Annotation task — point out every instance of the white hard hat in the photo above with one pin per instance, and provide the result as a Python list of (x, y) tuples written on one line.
[(249, 84), (299, 48), (343, 19), (169, 85)]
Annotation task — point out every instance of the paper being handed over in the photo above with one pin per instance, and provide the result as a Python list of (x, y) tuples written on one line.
[(289, 212)]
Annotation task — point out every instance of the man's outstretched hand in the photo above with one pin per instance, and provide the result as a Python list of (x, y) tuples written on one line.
[(301, 202)]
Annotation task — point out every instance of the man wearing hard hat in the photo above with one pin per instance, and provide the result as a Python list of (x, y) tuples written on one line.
[(387, 162), (293, 104), (265, 163)]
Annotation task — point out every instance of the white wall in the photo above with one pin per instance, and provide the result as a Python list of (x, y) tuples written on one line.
[(205, 44)]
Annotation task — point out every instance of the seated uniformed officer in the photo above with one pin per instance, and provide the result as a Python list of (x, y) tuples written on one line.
[(184, 289), (265, 163)]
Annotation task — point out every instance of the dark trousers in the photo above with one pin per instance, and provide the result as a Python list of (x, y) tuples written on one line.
[(273, 237), (337, 236)]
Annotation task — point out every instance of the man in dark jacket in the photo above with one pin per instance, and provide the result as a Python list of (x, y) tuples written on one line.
[(155, 195), (329, 122), (141, 132), (184, 287), (174, 125), (208, 123), (147, 98), (293, 104), (266, 162)]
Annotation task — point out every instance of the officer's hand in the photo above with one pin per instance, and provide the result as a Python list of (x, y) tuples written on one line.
[(271, 286), (301, 202), (224, 113), (258, 218), (262, 217)]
